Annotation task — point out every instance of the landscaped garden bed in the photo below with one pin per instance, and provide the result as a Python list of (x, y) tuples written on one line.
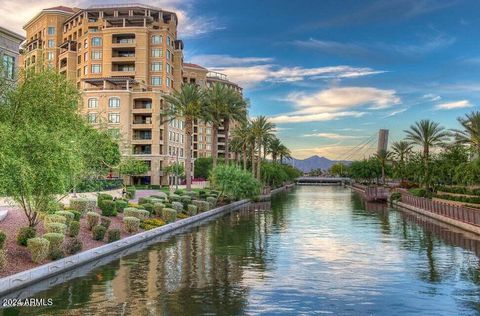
[(87, 224)]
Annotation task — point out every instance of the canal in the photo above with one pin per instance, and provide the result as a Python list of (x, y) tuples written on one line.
[(315, 250)]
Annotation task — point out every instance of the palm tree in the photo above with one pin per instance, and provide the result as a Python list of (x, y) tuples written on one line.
[(243, 135), (427, 134), (274, 148), (262, 129), (470, 134), (235, 110), (284, 152), (216, 97), (401, 150), (383, 157), (186, 103)]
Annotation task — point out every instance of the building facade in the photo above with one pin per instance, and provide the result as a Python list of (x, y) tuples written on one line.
[(9, 52)]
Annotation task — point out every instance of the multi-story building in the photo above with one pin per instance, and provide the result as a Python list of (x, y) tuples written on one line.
[(123, 58), (9, 52)]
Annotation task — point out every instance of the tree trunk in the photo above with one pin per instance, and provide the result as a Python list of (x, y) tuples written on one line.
[(274, 157), (188, 148), (383, 174), (226, 129), (244, 154), (264, 151), (259, 162), (253, 159), (214, 145), (281, 159), (426, 166)]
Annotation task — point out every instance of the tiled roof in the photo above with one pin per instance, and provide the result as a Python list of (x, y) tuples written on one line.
[(194, 66)]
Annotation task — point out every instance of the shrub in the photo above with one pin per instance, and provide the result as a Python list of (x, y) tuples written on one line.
[(55, 239), (83, 205), (131, 224), (160, 195), (151, 223), (113, 235), (105, 222), (157, 208), (131, 192), (234, 182), (182, 216), (98, 232), (92, 220), (178, 191), (101, 197), (56, 254), (68, 215), (191, 194), (73, 246), (418, 192), (76, 215), (120, 205), (395, 196), (54, 218), (169, 215), (192, 209), (174, 197), (74, 229), (24, 234), (212, 201), (154, 187), (3, 259), (144, 200), (177, 206), (185, 199), (202, 206), (58, 228), (3, 238), (149, 207), (133, 212), (108, 208), (39, 249)]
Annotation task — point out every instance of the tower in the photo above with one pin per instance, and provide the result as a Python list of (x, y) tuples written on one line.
[(382, 140)]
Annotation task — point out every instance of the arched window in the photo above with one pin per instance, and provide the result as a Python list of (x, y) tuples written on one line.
[(92, 103), (114, 102)]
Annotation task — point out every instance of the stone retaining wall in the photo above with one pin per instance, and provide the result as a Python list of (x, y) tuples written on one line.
[(70, 266)]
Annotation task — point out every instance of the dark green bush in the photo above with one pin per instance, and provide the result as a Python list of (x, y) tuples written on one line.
[(108, 208), (96, 185), (149, 207), (120, 205), (418, 192), (73, 246), (105, 222), (76, 215), (56, 254), (395, 196), (154, 187), (24, 234), (98, 232), (103, 197), (3, 238), (74, 229), (178, 192), (113, 235)]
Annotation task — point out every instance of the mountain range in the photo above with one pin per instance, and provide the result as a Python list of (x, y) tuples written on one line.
[(313, 162)]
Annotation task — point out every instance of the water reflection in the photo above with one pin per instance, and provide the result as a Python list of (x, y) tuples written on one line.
[(314, 250)]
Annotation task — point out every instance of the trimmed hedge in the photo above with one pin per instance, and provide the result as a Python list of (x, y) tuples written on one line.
[(169, 215), (53, 218), (120, 205), (74, 229), (157, 208), (113, 235), (24, 234), (55, 239), (58, 228), (212, 201), (73, 246), (83, 205), (151, 223), (98, 232), (68, 215), (92, 220), (149, 207), (134, 212), (131, 224), (192, 209), (39, 249)]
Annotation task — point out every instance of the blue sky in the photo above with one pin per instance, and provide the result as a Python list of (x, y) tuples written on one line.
[(331, 73)]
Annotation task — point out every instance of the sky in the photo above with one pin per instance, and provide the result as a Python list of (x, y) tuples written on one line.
[(330, 73)]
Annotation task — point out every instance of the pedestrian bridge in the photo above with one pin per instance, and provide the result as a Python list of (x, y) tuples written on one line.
[(322, 181)]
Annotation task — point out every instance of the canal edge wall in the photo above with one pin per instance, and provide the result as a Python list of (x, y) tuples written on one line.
[(30, 277), (467, 227)]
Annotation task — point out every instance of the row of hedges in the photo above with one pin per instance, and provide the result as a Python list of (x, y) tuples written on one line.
[(459, 190), (464, 199), (96, 185)]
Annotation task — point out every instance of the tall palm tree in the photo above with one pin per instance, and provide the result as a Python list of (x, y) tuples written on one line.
[(216, 97), (274, 148), (235, 110), (187, 103), (383, 157), (262, 129), (244, 136), (470, 134), (401, 151), (427, 134), (284, 152)]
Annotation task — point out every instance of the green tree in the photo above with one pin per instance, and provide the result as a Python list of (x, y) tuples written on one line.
[(132, 167), (470, 135), (234, 182), (42, 152), (245, 139), (427, 134), (338, 169), (262, 130), (187, 103), (383, 157), (235, 110), (401, 152)]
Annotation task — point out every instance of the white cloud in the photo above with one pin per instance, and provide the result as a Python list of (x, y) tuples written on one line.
[(16, 13), (454, 105), (432, 97), (332, 136), (227, 60), (393, 113), (319, 117)]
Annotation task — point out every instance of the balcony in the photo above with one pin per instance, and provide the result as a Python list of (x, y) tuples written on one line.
[(126, 56), (142, 150), (142, 106), (123, 40)]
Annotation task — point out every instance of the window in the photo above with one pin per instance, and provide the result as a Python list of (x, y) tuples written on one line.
[(8, 65), (169, 40), (92, 117), (96, 41), (209, 131), (51, 30), (85, 70), (169, 82), (156, 81), (85, 56), (157, 39), (209, 139), (51, 43), (96, 54), (156, 66), (114, 103), (85, 43), (114, 118), (169, 69), (50, 55), (92, 103), (96, 69), (208, 147), (169, 55), (156, 52)]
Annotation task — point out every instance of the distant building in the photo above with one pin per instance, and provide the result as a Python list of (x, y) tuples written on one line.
[(9, 51), (382, 140)]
